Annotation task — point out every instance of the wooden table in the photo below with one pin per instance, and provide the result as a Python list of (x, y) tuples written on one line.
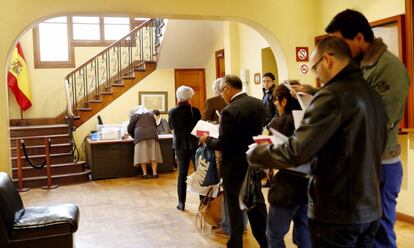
[(114, 158)]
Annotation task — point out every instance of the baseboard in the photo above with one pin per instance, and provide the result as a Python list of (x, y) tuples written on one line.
[(405, 218)]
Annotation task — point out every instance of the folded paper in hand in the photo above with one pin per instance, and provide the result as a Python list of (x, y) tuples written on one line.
[(304, 101), (278, 138), (204, 127)]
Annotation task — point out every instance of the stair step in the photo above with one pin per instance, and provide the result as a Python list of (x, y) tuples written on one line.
[(39, 139), (128, 77), (57, 158), (64, 179), (56, 169), (40, 149), (95, 101), (83, 109), (118, 85), (38, 130), (107, 93)]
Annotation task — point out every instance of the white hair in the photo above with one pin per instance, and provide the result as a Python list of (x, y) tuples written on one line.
[(140, 109), (216, 86), (184, 93)]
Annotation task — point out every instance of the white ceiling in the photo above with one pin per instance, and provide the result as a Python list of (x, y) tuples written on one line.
[(188, 44)]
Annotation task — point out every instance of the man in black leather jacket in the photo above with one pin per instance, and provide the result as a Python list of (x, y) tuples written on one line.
[(344, 133), (268, 83)]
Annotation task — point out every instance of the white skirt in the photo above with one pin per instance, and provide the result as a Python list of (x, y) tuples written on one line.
[(147, 150)]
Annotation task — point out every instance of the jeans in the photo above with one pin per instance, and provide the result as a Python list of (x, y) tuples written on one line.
[(328, 235), (184, 157), (278, 223), (225, 221), (391, 177)]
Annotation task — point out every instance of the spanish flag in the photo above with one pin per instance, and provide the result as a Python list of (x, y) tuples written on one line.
[(18, 79)]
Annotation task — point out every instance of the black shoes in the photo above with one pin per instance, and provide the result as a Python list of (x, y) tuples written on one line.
[(181, 206)]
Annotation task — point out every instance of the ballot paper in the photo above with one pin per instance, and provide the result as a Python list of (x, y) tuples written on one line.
[(297, 117), (278, 138), (304, 99), (204, 127)]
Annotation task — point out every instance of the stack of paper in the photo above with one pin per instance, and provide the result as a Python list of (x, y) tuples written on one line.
[(204, 127)]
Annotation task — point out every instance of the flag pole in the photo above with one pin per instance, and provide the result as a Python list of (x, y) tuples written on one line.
[(21, 114)]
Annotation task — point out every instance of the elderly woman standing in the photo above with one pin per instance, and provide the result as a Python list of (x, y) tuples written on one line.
[(182, 120), (143, 129)]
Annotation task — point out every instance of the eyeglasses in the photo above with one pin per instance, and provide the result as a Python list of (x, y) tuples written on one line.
[(222, 89), (315, 66)]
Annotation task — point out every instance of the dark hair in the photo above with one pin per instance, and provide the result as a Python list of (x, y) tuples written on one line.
[(282, 92), (335, 46), (156, 112), (270, 75), (351, 22), (233, 81)]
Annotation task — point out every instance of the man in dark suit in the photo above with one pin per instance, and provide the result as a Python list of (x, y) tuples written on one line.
[(241, 120), (213, 104)]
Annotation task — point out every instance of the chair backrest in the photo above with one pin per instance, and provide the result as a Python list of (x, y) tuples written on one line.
[(11, 204)]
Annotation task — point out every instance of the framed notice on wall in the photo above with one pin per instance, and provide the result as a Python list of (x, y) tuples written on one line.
[(154, 100)]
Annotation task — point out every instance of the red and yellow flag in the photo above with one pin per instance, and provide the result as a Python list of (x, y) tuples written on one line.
[(18, 79)]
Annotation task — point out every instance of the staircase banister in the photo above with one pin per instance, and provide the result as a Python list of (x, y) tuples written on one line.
[(109, 47)]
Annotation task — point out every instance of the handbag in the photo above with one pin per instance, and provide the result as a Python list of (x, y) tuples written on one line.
[(206, 165), (210, 208), (251, 191)]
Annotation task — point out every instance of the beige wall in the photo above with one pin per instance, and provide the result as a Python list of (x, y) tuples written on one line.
[(372, 9), (251, 44), (211, 65)]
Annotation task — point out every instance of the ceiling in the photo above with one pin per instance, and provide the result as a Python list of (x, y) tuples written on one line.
[(188, 43)]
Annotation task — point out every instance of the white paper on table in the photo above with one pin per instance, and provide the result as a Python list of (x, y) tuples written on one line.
[(297, 117), (304, 99), (205, 127)]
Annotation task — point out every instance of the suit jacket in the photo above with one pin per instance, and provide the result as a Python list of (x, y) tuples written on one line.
[(242, 119), (213, 104), (182, 120)]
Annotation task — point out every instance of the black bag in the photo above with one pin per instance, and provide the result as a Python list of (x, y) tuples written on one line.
[(206, 163), (251, 191)]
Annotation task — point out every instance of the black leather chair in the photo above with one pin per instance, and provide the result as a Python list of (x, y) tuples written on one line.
[(34, 227)]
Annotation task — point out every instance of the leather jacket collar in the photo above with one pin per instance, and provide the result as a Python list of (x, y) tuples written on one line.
[(351, 68)]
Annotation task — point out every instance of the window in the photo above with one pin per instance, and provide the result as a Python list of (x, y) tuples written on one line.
[(54, 39), (116, 27), (86, 28), (51, 44)]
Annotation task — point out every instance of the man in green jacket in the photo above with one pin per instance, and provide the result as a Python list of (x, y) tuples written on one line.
[(387, 75)]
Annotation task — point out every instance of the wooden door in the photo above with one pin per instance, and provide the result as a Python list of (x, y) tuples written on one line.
[(220, 71), (194, 78)]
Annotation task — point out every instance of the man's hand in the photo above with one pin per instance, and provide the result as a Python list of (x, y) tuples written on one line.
[(249, 153), (203, 138)]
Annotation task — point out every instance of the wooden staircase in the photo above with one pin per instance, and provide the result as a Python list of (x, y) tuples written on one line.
[(116, 90), (64, 169), (105, 77)]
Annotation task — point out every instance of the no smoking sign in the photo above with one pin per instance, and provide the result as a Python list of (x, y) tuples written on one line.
[(304, 69), (302, 54)]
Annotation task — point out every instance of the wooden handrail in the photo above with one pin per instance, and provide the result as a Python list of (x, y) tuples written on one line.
[(96, 76), (108, 48)]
